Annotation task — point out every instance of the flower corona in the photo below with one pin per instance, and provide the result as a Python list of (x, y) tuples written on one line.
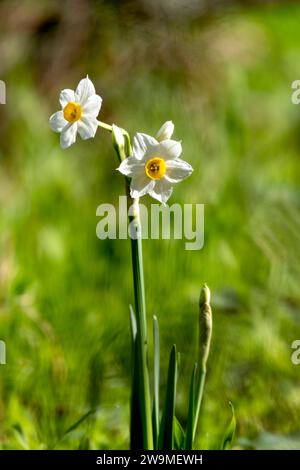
[(155, 168), (72, 112)]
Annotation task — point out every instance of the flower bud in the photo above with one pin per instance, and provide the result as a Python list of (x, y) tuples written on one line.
[(166, 131), (205, 325), (118, 140)]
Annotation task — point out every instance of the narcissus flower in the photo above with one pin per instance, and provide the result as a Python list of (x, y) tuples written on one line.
[(79, 113), (155, 165)]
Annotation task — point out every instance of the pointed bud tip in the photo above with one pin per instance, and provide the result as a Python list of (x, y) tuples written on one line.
[(205, 325), (204, 295)]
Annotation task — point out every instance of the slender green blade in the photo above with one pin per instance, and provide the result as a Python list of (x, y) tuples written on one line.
[(79, 421), (133, 326), (136, 425), (136, 422), (156, 370), (166, 435), (191, 411), (230, 431), (20, 436), (179, 436)]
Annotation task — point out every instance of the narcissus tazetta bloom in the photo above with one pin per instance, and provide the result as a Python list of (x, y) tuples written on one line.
[(80, 109), (155, 165)]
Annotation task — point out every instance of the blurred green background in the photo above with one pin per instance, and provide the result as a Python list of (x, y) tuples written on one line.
[(222, 71)]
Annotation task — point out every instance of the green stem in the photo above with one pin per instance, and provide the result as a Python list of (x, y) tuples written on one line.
[(205, 332), (156, 370), (105, 126), (199, 395), (140, 306)]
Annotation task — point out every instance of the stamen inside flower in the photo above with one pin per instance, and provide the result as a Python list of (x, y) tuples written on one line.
[(72, 112), (155, 168)]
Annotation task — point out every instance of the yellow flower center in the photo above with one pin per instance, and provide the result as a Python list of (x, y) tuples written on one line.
[(72, 112), (155, 168)]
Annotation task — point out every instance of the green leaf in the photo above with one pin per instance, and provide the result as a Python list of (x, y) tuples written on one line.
[(136, 422), (179, 436), (132, 324), (19, 434), (79, 422), (156, 367), (191, 411), (166, 434), (230, 431), (136, 425)]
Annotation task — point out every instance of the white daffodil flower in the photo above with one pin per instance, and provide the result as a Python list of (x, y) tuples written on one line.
[(154, 167), (79, 113)]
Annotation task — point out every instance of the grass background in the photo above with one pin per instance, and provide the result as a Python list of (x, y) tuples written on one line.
[(223, 74)]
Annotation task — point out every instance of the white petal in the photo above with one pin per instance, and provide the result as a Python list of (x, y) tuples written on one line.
[(92, 105), (57, 121), (87, 127), (161, 191), (170, 149), (143, 144), (66, 96), (131, 166), (68, 135), (138, 149), (177, 170), (166, 131), (140, 185), (84, 90)]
